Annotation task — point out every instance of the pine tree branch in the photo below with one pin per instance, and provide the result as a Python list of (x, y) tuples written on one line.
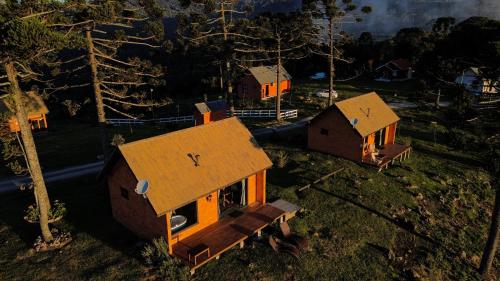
[(129, 103), (68, 61), (70, 24), (116, 24), (5, 84), (125, 42), (114, 94), (116, 60), (124, 83), (106, 45), (120, 112)]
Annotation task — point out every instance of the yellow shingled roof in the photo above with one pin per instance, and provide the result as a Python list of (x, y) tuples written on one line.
[(227, 154), (371, 112)]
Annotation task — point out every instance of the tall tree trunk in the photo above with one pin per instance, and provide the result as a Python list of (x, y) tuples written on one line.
[(101, 115), (278, 82), (331, 65), (31, 154), (492, 243), (230, 98), (229, 84)]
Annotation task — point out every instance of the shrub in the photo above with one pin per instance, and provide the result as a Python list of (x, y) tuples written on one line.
[(281, 159), (58, 210), (117, 140), (168, 268), (461, 139)]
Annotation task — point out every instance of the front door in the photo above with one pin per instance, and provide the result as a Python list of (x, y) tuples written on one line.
[(233, 198)]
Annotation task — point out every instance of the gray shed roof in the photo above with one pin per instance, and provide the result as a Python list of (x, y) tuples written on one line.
[(267, 74)]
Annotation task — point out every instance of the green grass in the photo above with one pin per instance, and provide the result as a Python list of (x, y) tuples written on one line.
[(427, 217)]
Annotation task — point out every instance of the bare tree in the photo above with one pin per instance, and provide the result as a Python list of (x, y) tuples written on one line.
[(219, 26), (280, 38), (335, 14), (118, 82)]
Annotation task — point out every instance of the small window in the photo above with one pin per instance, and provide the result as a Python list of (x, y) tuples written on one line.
[(124, 192), (324, 132)]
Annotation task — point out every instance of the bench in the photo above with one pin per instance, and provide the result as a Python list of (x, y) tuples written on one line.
[(196, 252)]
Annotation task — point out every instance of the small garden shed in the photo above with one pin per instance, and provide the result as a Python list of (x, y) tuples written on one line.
[(203, 189), (36, 111), (206, 112), (260, 83), (362, 129)]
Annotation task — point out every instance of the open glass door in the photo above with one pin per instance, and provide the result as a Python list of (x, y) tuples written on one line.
[(233, 198)]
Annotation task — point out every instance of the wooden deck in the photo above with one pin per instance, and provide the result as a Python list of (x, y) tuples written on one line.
[(388, 154), (227, 233)]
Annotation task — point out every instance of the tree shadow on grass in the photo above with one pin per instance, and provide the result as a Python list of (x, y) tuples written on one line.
[(402, 225), (88, 211)]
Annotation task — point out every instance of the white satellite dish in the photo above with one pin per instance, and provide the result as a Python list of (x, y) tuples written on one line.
[(142, 187), (354, 122)]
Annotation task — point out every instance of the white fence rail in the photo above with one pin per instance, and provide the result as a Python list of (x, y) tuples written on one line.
[(126, 121), (241, 113), (265, 113), (169, 120), (180, 119)]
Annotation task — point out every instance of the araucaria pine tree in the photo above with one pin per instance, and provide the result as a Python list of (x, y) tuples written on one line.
[(26, 40), (115, 57)]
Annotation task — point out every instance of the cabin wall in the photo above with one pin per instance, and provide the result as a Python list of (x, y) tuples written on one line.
[(261, 187), (340, 139), (252, 189), (207, 212), (391, 134), (201, 118), (38, 122), (218, 115), (249, 88), (135, 213), (273, 89)]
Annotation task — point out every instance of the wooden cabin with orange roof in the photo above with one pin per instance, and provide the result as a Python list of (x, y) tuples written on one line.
[(36, 110), (203, 189), (260, 83), (362, 129)]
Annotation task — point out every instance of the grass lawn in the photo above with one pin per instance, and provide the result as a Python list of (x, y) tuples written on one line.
[(424, 220)]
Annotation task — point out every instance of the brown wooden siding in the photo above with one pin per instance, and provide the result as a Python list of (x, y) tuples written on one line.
[(135, 213), (341, 140)]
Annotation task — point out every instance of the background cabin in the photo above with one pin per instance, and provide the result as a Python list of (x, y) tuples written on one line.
[(36, 110), (475, 83), (206, 112), (395, 70), (259, 83), (362, 129), (206, 189)]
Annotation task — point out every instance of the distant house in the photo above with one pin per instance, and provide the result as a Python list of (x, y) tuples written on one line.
[(35, 108), (206, 112), (259, 83), (203, 189), (395, 70), (362, 129), (474, 82)]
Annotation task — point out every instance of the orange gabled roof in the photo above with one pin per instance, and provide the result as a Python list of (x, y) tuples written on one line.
[(227, 153), (371, 112)]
